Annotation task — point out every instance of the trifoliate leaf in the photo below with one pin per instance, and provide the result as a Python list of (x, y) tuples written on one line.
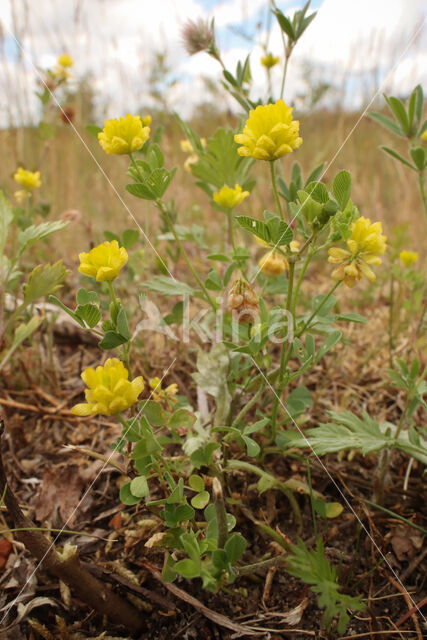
[(44, 281)]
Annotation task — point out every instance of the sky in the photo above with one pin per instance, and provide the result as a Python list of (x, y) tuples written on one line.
[(357, 46)]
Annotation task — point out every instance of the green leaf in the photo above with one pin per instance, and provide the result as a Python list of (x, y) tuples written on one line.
[(93, 129), (318, 192), (342, 188), (350, 317), (84, 297), (187, 568), (252, 447), (44, 281), (168, 286), (181, 419), (139, 487), (154, 413), (314, 174), (89, 313), (285, 24), (256, 227), (200, 500), (129, 238), (126, 496), (122, 324), (22, 332), (235, 547), (214, 281), (280, 231), (332, 339), (111, 340), (6, 217), (34, 233), (70, 312), (386, 122), (419, 157), (196, 483), (399, 112), (220, 164), (397, 156)]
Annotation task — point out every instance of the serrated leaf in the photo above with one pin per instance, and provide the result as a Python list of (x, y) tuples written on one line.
[(89, 313), (256, 227), (34, 233), (44, 281), (280, 231), (342, 188), (169, 286)]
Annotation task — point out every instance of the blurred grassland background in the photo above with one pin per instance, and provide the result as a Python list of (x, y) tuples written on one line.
[(382, 189), (71, 180)]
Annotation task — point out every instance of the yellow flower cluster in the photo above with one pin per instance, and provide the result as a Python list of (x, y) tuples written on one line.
[(269, 133), (109, 390), (268, 61), (65, 60), (273, 264), (124, 135), (30, 180), (104, 262), (160, 394), (408, 257), (230, 198), (366, 245)]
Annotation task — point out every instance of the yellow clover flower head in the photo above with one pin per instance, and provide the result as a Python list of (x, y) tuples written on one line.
[(366, 245), (269, 60), (160, 394), (424, 135), (230, 198), (65, 60), (146, 120), (28, 179), (104, 262), (109, 390), (273, 264), (123, 135), (269, 133), (408, 257)]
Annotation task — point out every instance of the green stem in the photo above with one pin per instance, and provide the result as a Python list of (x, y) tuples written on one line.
[(276, 195), (231, 229), (248, 406), (207, 296), (112, 294), (316, 311), (285, 69), (284, 357), (421, 182), (299, 281), (390, 321)]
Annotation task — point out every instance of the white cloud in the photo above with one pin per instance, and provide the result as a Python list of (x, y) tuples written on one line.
[(114, 40)]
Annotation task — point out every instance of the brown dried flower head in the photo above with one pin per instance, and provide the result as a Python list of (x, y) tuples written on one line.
[(198, 36), (242, 302)]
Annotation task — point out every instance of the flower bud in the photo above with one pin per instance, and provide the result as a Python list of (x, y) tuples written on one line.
[(242, 302)]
